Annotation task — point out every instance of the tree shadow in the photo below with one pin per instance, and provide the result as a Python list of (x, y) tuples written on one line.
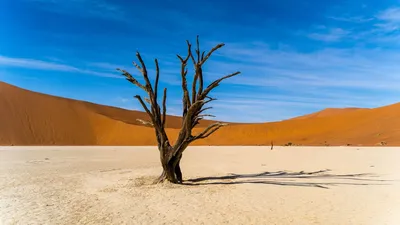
[(318, 179)]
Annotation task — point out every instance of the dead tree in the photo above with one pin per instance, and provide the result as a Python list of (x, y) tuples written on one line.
[(194, 103)]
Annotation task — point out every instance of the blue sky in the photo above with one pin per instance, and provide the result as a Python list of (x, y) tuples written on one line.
[(296, 57)]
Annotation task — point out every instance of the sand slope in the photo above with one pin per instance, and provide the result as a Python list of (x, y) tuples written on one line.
[(327, 112), (30, 118)]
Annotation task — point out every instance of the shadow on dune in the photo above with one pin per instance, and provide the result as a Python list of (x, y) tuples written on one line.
[(318, 179)]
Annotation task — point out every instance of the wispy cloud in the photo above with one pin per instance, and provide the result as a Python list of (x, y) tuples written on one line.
[(351, 19), (35, 64), (305, 99), (83, 8), (126, 103), (329, 35), (353, 68), (382, 27), (392, 15), (124, 100), (389, 20), (278, 107), (49, 66), (107, 66)]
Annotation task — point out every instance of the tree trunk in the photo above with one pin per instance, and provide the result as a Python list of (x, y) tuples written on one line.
[(178, 172), (171, 168)]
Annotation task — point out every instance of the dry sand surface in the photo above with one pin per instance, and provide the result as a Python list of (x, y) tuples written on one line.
[(227, 185)]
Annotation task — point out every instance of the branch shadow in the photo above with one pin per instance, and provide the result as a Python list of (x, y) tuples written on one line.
[(319, 179)]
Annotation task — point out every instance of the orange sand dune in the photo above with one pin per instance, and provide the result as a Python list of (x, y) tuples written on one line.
[(30, 118)]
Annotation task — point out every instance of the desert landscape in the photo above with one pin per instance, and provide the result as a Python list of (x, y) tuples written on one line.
[(65, 161), (211, 112), (237, 185)]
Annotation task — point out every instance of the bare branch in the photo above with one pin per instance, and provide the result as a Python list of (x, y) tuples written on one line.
[(209, 100), (144, 106), (211, 52), (155, 120), (188, 119), (205, 115), (157, 78), (200, 117), (195, 65), (197, 103), (209, 130), (216, 83), (144, 72), (130, 78), (164, 115), (196, 75), (198, 49), (157, 107), (189, 53), (138, 67), (144, 122), (200, 82), (152, 100), (185, 100), (147, 100), (180, 58), (197, 121), (207, 108)]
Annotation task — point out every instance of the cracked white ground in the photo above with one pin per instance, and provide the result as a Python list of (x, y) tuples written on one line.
[(232, 185)]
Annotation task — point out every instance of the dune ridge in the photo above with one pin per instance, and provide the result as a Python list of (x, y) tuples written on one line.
[(31, 118), (328, 112)]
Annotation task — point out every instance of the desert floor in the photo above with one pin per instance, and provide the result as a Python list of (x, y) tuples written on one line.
[(225, 185)]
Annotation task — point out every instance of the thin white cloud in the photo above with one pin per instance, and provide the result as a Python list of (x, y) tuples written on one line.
[(123, 100), (35, 64), (49, 66), (83, 8), (258, 107), (99, 74), (351, 68), (329, 35), (301, 96), (105, 65), (351, 19), (388, 21), (381, 28), (391, 15)]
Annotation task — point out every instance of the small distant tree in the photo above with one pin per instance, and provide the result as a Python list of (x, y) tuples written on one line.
[(193, 108)]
